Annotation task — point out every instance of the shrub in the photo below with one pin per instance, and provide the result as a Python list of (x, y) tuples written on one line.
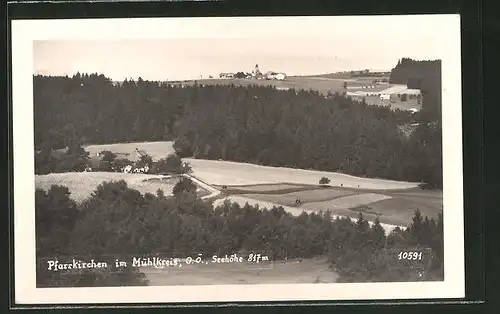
[(185, 185), (172, 164), (108, 156), (120, 163), (324, 180)]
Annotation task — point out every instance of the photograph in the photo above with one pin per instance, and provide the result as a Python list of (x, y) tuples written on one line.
[(237, 159)]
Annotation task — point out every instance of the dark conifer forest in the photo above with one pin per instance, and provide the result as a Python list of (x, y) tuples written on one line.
[(261, 125)]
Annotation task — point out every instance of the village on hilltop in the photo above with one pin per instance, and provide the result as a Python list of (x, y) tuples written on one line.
[(255, 74)]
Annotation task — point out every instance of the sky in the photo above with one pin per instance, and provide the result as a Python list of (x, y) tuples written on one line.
[(314, 48)]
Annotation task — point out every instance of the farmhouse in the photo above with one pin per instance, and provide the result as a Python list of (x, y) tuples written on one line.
[(280, 76), (275, 76), (226, 75)]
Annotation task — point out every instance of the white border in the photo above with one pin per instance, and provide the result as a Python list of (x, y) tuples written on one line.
[(24, 32)]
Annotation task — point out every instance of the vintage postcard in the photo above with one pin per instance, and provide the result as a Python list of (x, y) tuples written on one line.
[(237, 159)]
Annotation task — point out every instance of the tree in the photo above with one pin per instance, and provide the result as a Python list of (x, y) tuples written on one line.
[(55, 217), (172, 164), (108, 156), (144, 160), (324, 181), (378, 234), (120, 163), (239, 75), (183, 148), (59, 222), (185, 185)]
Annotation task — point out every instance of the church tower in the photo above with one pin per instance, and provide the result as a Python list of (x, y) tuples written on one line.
[(256, 71)]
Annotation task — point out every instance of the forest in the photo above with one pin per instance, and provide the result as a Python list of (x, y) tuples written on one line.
[(256, 124), (116, 222)]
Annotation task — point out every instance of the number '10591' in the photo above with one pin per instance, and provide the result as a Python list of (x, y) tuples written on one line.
[(410, 255)]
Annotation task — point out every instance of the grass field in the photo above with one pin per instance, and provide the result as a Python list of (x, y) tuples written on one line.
[(348, 201), (82, 184), (233, 174), (289, 199), (322, 85), (399, 210), (392, 207), (314, 270), (268, 188)]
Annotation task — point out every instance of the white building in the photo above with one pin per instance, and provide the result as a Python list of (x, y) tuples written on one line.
[(281, 76), (275, 76)]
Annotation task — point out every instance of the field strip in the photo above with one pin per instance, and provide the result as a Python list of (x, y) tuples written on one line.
[(234, 174), (292, 210)]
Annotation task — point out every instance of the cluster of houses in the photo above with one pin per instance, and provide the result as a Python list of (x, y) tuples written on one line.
[(96, 163), (255, 74)]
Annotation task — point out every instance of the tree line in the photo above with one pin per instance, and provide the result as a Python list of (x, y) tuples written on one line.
[(117, 222), (257, 124)]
